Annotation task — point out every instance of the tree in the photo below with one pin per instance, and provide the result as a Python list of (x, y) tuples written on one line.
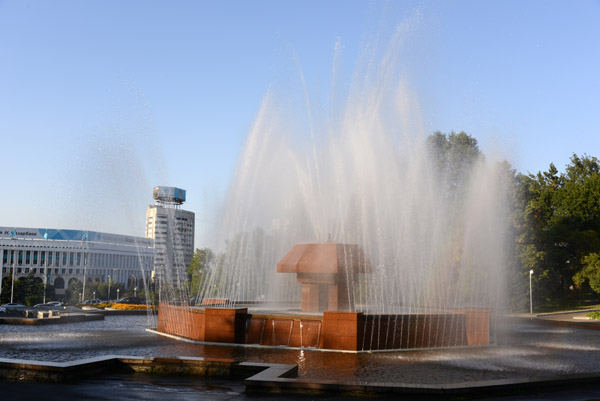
[(198, 270), (454, 157), (28, 290), (73, 291), (5, 298), (590, 272), (561, 228)]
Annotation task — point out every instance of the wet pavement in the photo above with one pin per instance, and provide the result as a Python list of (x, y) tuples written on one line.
[(127, 387), (523, 349)]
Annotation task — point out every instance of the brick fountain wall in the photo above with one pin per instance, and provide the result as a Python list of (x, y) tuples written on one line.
[(350, 331)]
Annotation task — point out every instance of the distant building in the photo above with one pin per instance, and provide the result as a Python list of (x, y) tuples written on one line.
[(66, 255), (172, 230)]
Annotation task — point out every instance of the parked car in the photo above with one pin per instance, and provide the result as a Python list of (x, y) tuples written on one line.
[(13, 307), (55, 303), (46, 306), (132, 300), (91, 302)]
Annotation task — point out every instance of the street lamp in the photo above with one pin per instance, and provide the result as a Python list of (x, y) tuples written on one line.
[(108, 288), (118, 293), (530, 293), (13, 236), (45, 267)]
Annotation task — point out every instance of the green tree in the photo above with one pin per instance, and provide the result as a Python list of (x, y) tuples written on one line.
[(561, 227), (5, 298), (73, 291), (198, 269), (589, 272), (454, 156), (28, 290)]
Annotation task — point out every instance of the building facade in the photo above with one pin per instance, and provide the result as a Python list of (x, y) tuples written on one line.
[(172, 230), (65, 255)]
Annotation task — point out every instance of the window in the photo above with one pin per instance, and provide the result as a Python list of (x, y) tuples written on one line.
[(35, 257), (71, 258), (5, 256), (27, 257)]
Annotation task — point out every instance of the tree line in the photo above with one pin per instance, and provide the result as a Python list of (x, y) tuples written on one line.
[(30, 290)]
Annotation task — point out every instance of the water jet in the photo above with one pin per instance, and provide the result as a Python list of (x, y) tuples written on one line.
[(328, 318), (387, 235)]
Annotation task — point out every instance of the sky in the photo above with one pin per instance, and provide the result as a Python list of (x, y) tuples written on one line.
[(100, 101)]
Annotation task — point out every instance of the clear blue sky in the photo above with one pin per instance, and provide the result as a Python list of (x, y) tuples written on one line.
[(102, 100)]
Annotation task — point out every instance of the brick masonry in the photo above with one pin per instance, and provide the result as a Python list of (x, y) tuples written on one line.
[(349, 331)]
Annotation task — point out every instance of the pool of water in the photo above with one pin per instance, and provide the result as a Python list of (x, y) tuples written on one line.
[(522, 349)]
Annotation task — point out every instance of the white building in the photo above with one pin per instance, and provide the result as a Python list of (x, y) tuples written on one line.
[(66, 255), (172, 230)]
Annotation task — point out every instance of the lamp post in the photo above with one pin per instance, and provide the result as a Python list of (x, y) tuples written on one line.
[(45, 267), (84, 237), (108, 288), (530, 293), (13, 235), (118, 293)]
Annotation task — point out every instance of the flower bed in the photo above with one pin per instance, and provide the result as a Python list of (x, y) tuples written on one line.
[(113, 305)]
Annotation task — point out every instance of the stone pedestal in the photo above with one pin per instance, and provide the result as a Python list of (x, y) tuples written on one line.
[(327, 273)]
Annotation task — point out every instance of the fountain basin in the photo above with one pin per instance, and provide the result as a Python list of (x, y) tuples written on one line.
[(344, 331)]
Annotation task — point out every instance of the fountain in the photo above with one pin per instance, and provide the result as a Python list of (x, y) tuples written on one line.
[(409, 229), (327, 273)]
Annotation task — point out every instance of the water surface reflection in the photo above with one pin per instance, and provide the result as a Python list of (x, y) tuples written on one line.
[(523, 350)]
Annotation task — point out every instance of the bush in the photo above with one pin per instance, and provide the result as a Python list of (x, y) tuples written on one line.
[(131, 306), (114, 305), (594, 315)]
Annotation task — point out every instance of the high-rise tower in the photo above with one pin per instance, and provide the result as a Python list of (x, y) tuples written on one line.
[(172, 229)]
